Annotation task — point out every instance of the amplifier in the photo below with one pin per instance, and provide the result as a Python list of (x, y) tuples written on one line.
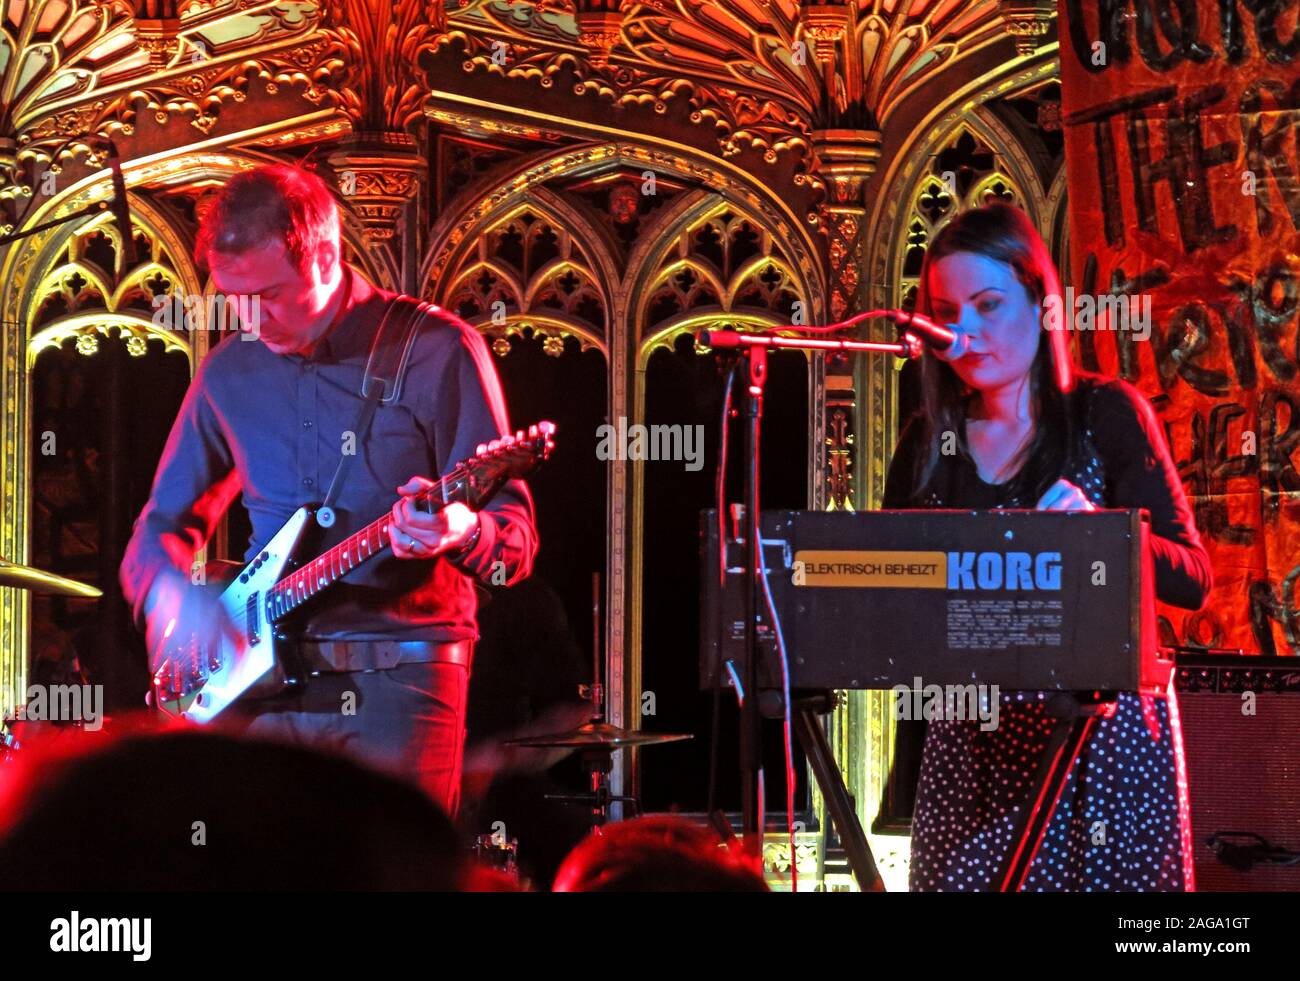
[(1241, 737)]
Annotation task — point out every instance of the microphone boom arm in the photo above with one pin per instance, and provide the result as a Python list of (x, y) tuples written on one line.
[(95, 209), (909, 345), (98, 208), (917, 332)]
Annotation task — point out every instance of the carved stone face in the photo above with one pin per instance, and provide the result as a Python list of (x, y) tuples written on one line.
[(623, 203)]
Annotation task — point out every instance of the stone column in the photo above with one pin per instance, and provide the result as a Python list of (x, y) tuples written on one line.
[(845, 159), (381, 176)]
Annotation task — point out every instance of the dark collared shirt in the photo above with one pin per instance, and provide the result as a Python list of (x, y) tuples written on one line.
[(273, 427)]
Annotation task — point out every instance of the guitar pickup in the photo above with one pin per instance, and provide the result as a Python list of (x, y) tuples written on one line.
[(254, 619)]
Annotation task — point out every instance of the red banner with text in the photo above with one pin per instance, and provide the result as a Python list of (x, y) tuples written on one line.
[(1182, 137)]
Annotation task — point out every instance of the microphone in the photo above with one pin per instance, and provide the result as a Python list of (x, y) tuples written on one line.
[(940, 339), (121, 210)]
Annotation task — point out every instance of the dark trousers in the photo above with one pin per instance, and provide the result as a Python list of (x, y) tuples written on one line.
[(408, 721)]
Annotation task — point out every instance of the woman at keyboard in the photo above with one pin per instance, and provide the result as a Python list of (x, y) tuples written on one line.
[(1007, 422)]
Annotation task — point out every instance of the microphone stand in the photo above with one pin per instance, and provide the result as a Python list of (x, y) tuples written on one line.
[(88, 212), (754, 348)]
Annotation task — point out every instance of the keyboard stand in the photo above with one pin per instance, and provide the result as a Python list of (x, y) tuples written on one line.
[(1076, 714), (808, 729)]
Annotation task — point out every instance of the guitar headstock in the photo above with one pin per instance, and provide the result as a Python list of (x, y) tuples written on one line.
[(512, 457)]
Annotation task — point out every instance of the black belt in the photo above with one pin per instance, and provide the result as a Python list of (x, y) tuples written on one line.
[(380, 655)]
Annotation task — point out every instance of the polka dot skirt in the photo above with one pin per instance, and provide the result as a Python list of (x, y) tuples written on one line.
[(1115, 828), (1118, 823)]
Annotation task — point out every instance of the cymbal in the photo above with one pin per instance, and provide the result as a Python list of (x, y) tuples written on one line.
[(594, 735), (39, 581)]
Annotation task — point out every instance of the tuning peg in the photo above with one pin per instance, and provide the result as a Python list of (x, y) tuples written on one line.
[(480, 449), (532, 431)]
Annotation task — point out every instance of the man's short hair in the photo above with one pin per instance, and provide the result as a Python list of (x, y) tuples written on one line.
[(275, 202)]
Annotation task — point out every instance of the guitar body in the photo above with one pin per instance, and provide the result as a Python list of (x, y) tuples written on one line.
[(251, 666), (199, 685)]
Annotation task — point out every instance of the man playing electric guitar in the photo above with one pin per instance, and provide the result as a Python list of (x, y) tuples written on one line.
[(269, 415)]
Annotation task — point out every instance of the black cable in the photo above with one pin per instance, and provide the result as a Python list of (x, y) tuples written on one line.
[(721, 493), (1250, 849)]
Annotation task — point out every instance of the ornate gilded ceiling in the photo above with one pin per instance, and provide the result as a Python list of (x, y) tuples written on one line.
[(760, 75), (763, 73), (78, 66)]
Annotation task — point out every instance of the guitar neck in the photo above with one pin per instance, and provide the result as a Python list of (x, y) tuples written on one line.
[(312, 578)]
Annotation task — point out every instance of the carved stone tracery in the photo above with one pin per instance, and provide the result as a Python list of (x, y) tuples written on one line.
[(378, 174)]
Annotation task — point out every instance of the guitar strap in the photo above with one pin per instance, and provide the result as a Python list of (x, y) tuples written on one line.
[(382, 382)]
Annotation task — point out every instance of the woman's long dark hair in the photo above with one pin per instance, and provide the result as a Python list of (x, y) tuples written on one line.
[(1005, 234)]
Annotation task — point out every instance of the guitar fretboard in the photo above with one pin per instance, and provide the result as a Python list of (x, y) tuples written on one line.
[(305, 582)]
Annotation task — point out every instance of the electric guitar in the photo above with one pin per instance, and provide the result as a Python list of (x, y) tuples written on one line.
[(199, 684)]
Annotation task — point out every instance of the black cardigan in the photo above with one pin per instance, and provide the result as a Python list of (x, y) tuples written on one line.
[(1139, 473)]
